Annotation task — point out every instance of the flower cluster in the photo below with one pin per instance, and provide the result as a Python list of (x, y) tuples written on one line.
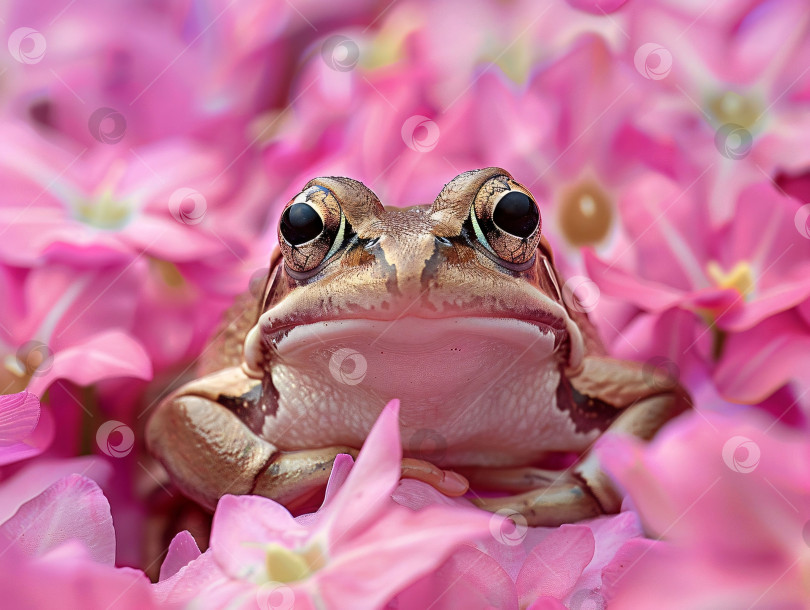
[(148, 151)]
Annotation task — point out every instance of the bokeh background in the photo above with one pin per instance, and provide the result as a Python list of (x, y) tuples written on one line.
[(148, 148)]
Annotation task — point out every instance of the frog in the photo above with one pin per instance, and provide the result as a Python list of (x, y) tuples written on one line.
[(455, 309)]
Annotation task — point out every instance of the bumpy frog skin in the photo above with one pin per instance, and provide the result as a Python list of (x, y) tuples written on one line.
[(455, 308)]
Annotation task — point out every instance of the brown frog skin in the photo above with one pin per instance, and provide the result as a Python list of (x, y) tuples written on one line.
[(454, 308)]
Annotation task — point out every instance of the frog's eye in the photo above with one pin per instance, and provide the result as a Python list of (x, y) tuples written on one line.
[(300, 223), (311, 229), (506, 220)]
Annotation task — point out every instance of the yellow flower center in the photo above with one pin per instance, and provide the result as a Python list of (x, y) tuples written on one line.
[(585, 214), (103, 210), (731, 107), (287, 565), (740, 278), (106, 213), (388, 46)]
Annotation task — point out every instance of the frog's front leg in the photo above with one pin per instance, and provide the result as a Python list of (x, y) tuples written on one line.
[(629, 399), (207, 436)]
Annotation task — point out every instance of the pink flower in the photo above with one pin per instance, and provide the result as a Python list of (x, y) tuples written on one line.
[(360, 549), (147, 241), (59, 549), (598, 7), (731, 89), (38, 475), (695, 288), (730, 497), (103, 205), (55, 326), (125, 74)]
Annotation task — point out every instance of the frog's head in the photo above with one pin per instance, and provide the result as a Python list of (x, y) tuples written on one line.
[(431, 296)]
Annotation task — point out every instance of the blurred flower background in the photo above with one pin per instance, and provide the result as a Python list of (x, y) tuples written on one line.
[(148, 149)]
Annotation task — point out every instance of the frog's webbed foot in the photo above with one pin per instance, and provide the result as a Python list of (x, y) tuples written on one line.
[(544, 497), (206, 435)]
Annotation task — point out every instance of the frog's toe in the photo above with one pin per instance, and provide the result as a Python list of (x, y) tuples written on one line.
[(564, 502), (512, 479), (446, 481)]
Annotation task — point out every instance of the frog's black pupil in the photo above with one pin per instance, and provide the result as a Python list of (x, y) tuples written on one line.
[(300, 223), (517, 214)]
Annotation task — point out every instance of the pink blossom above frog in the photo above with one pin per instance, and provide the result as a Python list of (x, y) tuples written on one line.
[(105, 74), (730, 280), (731, 91)]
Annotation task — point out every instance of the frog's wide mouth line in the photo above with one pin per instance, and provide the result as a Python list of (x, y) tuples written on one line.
[(414, 334)]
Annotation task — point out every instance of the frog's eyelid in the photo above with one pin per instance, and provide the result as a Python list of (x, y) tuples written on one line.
[(478, 232), (303, 197), (338, 238)]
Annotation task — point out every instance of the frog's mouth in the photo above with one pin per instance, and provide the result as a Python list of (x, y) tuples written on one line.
[(418, 344), (412, 356)]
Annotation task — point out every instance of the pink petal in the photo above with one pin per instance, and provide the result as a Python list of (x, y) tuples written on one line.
[(25, 429), (73, 508), (610, 533), (372, 480), (468, 579), (778, 298), (242, 526), (368, 568), (645, 294), (169, 239), (190, 580), (555, 565), (19, 414), (67, 577), (707, 476), (546, 603), (183, 550), (598, 7), (627, 557), (341, 468), (35, 444), (759, 361), (623, 459), (36, 477), (109, 354), (417, 495)]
